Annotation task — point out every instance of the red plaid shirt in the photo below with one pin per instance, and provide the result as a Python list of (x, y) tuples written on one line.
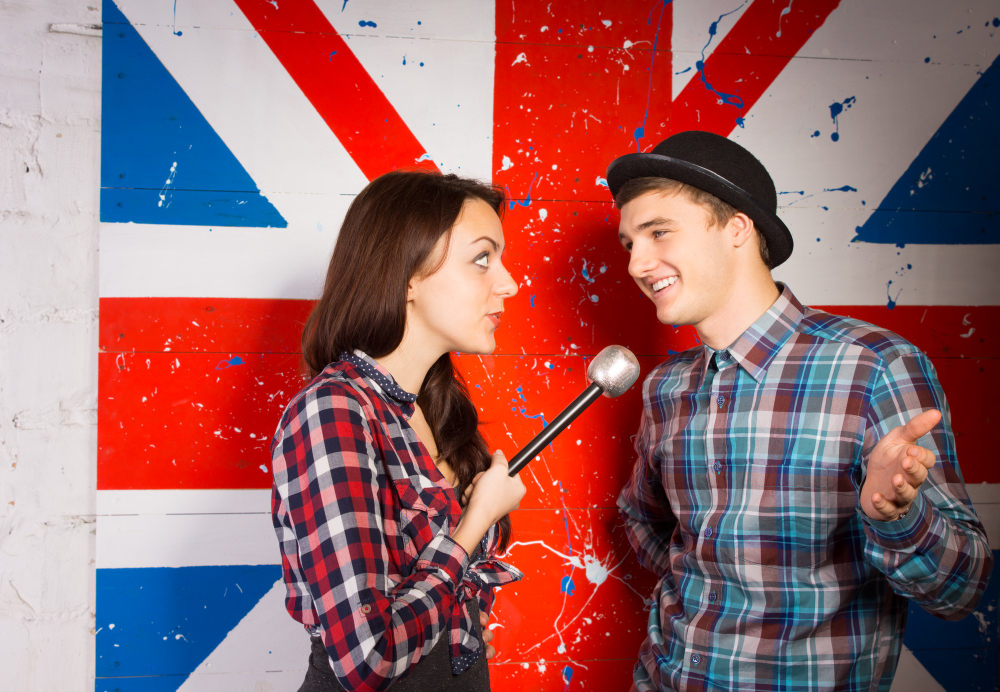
[(364, 521)]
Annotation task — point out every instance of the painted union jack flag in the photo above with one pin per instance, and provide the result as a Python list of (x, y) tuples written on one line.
[(236, 133)]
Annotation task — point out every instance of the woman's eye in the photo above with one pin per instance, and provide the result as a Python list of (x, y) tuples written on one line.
[(483, 260)]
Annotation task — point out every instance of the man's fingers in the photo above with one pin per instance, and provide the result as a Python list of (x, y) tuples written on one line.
[(916, 471), (920, 425), (487, 636), (483, 620), (883, 506), (905, 493), (490, 652), (924, 456)]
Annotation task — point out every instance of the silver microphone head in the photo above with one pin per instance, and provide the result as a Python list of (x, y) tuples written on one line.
[(614, 369)]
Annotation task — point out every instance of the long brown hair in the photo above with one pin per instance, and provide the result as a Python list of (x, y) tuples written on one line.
[(387, 237)]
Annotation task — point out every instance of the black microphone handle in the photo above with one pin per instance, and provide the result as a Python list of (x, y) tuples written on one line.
[(548, 433)]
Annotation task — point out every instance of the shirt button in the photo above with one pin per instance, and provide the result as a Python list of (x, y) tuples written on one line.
[(717, 466), (695, 659), (724, 355), (708, 532), (366, 608), (711, 597), (721, 400)]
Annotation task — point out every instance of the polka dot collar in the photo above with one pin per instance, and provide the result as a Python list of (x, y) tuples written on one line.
[(363, 362)]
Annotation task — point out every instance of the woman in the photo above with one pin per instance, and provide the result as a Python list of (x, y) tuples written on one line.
[(372, 459)]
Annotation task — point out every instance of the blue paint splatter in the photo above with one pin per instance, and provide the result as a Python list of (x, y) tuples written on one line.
[(601, 182), (223, 364), (404, 59), (730, 99), (331, 55), (783, 13), (363, 23), (567, 586), (836, 109), (892, 301), (814, 134), (176, 33), (344, 7), (532, 300), (739, 121), (640, 131), (843, 188), (527, 199), (567, 674), (686, 69)]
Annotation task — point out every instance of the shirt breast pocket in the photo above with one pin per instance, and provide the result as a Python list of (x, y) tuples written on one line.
[(790, 511), (424, 513)]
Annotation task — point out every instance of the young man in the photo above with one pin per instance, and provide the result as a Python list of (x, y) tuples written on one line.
[(778, 491)]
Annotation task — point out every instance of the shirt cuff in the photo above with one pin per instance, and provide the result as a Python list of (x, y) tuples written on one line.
[(901, 533), (443, 553)]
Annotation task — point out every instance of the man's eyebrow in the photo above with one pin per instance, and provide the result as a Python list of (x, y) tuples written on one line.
[(486, 237), (658, 221)]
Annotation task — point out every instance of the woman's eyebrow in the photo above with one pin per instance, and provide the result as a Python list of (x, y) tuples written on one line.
[(486, 237)]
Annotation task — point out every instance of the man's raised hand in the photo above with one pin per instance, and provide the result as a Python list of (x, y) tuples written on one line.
[(897, 468)]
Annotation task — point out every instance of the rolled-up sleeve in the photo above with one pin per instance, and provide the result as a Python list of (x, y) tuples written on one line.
[(937, 555), (326, 500)]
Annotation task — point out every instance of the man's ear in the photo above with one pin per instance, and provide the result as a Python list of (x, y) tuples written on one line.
[(741, 229)]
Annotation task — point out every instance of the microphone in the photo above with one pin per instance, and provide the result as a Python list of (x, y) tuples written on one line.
[(612, 371)]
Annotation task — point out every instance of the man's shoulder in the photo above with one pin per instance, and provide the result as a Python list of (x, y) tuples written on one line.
[(677, 365), (882, 343)]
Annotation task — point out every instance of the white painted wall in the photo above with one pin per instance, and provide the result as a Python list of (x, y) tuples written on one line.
[(50, 109)]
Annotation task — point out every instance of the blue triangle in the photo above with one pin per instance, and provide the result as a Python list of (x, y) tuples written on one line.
[(156, 625), (161, 162), (955, 172)]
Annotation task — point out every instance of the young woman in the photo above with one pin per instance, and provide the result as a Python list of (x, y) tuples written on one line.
[(374, 459)]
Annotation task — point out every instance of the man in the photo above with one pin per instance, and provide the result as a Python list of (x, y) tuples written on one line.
[(778, 491)]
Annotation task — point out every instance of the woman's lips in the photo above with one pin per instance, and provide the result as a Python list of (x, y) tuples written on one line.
[(495, 318)]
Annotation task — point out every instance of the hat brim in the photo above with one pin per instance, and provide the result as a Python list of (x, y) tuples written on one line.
[(630, 166)]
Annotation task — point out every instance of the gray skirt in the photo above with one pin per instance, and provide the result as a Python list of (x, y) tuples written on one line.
[(433, 672)]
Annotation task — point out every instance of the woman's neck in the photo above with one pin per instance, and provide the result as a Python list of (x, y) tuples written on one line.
[(409, 362)]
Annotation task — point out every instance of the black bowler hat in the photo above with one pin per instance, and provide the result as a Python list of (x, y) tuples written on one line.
[(718, 166)]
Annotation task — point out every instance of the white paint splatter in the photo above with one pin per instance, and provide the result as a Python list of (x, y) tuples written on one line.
[(543, 214), (507, 163), (521, 57), (169, 181)]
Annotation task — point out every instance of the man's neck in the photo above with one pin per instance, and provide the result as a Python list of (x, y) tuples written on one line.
[(749, 298)]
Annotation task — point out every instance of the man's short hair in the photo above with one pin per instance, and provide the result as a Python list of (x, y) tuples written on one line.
[(719, 212)]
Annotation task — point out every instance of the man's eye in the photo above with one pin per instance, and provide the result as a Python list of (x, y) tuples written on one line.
[(657, 234), (483, 260)]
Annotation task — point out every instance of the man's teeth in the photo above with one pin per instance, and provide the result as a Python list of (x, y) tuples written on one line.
[(664, 283)]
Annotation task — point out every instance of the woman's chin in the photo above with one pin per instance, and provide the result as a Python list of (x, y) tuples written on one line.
[(481, 347)]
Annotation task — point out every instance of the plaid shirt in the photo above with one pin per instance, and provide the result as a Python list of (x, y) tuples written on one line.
[(364, 521), (745, 500)]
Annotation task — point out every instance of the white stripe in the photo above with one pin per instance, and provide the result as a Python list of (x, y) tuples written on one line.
[(186, 540), (155, 502)]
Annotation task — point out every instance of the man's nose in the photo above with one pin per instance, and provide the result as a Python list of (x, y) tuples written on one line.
[(640, 261)]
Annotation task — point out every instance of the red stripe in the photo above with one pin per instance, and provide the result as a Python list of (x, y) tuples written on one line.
[(337, 85), (730, 69), (251, 326), (190, 420)]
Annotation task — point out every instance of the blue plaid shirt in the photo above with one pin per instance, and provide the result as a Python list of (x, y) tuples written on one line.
[(745, 501)]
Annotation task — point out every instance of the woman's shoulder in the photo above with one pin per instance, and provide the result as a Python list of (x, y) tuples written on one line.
[(330, 394)]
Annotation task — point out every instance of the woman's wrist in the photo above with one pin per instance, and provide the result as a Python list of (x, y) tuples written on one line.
[(471, 529)]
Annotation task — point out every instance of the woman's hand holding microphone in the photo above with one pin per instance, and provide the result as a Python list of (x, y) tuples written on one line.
[(490, 496)]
